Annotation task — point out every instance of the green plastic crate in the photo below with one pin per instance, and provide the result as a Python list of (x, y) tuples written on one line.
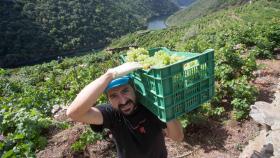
[(176, 89)]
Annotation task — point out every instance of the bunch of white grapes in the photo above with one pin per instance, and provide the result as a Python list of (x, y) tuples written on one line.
[(159, 60), (137, 54)]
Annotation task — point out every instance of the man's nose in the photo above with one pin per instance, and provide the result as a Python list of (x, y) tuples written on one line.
[(123, 99)]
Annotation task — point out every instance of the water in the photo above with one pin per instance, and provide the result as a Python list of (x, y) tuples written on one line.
[(157, 23)]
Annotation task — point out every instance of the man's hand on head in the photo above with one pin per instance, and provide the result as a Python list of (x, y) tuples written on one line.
[(125, 69)]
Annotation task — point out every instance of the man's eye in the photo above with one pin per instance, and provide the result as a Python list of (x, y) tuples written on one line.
[(125, 91), (113, 96)]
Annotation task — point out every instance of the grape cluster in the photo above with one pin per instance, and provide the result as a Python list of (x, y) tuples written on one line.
[(159, 60), (191, 64)]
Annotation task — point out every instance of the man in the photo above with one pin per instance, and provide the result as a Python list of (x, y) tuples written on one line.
[(136, 131)]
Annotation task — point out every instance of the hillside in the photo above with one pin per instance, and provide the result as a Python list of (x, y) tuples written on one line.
[(239, 36), (34, 98), (200, 8), (32, 30), (253, 25)]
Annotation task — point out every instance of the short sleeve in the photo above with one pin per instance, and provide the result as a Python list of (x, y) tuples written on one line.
[(109, 116), (160, 123)]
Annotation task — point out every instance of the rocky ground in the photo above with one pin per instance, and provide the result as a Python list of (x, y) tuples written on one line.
[(267, 143), (211, 139)]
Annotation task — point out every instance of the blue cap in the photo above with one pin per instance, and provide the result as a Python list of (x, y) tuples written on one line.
[(117, 82)]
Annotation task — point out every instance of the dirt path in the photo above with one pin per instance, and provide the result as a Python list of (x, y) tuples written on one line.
[(211, 139)]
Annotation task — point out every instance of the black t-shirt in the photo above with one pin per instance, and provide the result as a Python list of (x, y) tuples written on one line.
[(138, 135)]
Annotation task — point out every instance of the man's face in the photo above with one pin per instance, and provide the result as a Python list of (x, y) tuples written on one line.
[(123, 98)]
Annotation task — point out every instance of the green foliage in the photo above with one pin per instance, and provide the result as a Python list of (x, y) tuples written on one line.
[(243, 95), (200, 115), (211, 111), (22, 129), (274, 35), (2, 72), (239, 35), (88, 137), (198, 9), (254, 26), (28, 95), (195, 117), (34, 30)]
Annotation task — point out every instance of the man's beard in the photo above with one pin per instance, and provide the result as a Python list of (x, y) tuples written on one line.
[(129, 101)]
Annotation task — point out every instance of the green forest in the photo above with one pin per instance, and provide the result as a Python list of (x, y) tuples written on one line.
[(240, 33), (36, 29)]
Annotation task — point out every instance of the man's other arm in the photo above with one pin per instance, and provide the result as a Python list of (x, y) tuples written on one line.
[(174, 130)]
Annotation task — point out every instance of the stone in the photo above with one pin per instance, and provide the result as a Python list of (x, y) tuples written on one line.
[(254, 145), (55, 109), (274, 138), (266, 152), (265, 113), (278, 56)]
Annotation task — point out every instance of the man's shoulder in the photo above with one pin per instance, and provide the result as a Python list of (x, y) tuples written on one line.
[(152, 117), (147, 111), (104, 106), (109, 116), (107, 110)]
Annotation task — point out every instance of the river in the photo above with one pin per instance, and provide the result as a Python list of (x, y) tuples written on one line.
[(157, 23)]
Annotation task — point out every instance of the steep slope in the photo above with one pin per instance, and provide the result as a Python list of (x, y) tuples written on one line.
[(253, 24), (238, 36), (39, 28), (200, 8)]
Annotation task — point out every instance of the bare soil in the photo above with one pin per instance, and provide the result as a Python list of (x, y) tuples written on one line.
[(211, 139)]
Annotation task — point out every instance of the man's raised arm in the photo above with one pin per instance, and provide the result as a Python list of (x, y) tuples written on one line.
[(81, 108)]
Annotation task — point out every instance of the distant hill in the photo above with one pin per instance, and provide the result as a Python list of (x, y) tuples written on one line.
[(33, 30), (200, 8), (255, 25)]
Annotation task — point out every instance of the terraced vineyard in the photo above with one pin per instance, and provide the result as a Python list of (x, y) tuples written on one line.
[(239, 35)]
